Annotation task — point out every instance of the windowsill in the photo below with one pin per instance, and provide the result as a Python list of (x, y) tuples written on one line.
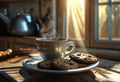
[(102, 53)]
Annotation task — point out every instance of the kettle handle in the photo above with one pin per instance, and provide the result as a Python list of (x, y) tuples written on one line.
[(5, 18)]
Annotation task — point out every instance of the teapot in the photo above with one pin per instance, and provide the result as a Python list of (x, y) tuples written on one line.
[(21, 24)]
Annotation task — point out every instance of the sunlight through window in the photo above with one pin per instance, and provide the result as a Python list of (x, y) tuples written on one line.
[(76, 20)]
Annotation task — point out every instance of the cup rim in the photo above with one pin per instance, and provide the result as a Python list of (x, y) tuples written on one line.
[(50, 39)]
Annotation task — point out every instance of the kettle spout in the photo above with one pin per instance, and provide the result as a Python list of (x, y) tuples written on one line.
[(5, 18)]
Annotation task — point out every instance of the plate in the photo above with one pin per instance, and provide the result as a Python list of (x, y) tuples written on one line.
[(31, 64)]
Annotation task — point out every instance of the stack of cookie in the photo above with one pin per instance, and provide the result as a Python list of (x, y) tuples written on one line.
[(5, 52), (73, 61)]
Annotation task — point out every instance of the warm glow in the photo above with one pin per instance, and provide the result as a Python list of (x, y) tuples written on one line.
[(76, 20)]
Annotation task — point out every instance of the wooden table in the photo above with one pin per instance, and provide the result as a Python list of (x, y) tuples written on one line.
[(11, 70)]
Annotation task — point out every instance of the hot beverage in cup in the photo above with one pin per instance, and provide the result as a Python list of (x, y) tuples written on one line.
[(54, 48)]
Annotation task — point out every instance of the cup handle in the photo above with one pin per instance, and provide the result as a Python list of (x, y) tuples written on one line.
[(70, 47)]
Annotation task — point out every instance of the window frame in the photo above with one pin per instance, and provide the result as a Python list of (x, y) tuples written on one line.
[(94, 42)]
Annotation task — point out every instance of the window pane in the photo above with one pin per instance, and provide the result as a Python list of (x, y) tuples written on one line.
[(103, 1), (103, 22), (76, 19), (116, 22), (115, 0)]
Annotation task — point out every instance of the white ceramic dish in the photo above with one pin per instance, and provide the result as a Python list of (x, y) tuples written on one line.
[(31, 64)]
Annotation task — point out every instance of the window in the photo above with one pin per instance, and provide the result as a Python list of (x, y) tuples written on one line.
[(93, 23), (106, 24)]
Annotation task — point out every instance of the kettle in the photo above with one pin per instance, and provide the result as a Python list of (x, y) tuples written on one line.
[(21, 25)]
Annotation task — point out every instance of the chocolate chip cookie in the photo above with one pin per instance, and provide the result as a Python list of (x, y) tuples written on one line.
[(46, 64), (64, 64), (84, 58)]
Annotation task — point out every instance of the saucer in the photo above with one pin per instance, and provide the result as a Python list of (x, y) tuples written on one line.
[(31, 64)]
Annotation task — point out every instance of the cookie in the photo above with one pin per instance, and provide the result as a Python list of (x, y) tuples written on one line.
[(46, 64), (84, 58), (64, 64), (80, 65), (6, 52)]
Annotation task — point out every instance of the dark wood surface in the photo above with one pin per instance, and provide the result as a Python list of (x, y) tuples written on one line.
[(11, 70)]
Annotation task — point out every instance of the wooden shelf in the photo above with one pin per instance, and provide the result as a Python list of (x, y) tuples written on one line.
[(16, 42)]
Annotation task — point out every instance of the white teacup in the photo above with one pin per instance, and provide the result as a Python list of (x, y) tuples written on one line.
[(54, 48)]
